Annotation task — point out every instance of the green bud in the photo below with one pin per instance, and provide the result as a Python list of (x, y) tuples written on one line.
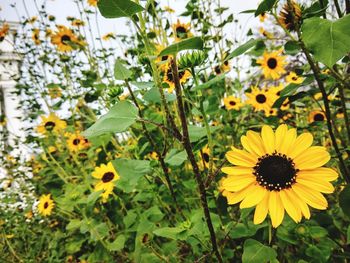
[(192, 59)]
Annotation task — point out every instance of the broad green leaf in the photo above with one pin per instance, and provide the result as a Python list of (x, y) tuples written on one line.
[(189, 43), (265, 5), (210, 82), (118, 8), (99, 231), (73, 224), (255, 252), (344, 200), (117, 244), (175, 158), (120, 71), (130, 171), (242, 230), (169, 232), (153, 95), (327, 40), (243, 48), (142, 85), (290, 89), (120, 117), (318, 232), (197, 132)]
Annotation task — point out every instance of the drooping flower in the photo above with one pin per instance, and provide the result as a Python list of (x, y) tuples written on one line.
[(316, 116), (46, 205), (272, 64), (292, 77), (107, 175), (51, 124), (277, 172), (232, 103), (290, 15)]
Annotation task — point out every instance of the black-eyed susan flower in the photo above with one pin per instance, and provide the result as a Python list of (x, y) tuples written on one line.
[(64, 39), (36, 36), (225, 67), (169, 79), (51, 123), (153, 155), (76, 142), (272, 64), (92, 2), (260, 99), (292, 77), (271, 112), (204, 157), (232, 103), (45, 205), (3, 31), (277, 172), (107, 175), (290, 15), (182, 30), (285, 105), (316, 115), (162, 61)]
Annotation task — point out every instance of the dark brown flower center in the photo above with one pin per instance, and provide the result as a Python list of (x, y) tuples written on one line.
[(181, 31), (232, 103), (165, 58), (272, 63), (260, 98), (76, 141), (49, 125), (46, 205), (206, 157), (170, 77), (217, 69), (65, 39), (275, 172), (319, 117), (107, 177)]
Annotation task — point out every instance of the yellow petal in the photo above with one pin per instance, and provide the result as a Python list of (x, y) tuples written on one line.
[(237, 183), (312, 158), (268, 138), (301, 204), (246, 145), (303, 142), (292, 209), (322, 173), (316, 184), (233, 198), (261, 210), (240, 157), (256, 143), (288, 141), (276, 209), (311, 197), (237, 170), (279, 136), (254, 197)]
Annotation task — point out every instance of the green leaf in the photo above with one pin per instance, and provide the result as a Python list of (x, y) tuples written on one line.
[(327, 40), (196, 132), (120, 71), (169, 232), (265, 6), (243, 48), (117, 244), (318, 232), (242, 230), (344, 200), (210, 82), (175, 158), (290, 89), (118, 119), (118, 8), (255, 252), (73, 224), (189, 43), (153, 95), (130, 171), (99, 231)]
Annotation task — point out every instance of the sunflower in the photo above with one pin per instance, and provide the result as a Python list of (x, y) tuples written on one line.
[(3, 31), (162, 61), (64, 38), (316, 115), (35, 36), (50, 124), (290, 15), (107, 176), (153, 156), (204, 156), (169, 79), (92, 2), (278, 171), (275, 90), (77, 142), (225, 67), (260, 99), (272, 64), (45, 205), (285, 105), (182, 30), (232, 103), (271, 112), (294, 78)]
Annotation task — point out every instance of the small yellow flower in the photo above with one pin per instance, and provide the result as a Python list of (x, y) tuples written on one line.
[(45, 205), (272, 64), (182, 30), (107, 176), (51, 124), (65, 39), (169, 79), (77, 142), (316, 116), (292, 77), (232, 103)]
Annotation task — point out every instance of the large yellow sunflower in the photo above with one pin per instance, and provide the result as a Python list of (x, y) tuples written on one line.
[(64, 39), (182, 30), (50, 124), (278, 171), (45, 205), (272, 64), (107, 176), (261, 99), (77, 142), (232, 103), (169, 79)]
